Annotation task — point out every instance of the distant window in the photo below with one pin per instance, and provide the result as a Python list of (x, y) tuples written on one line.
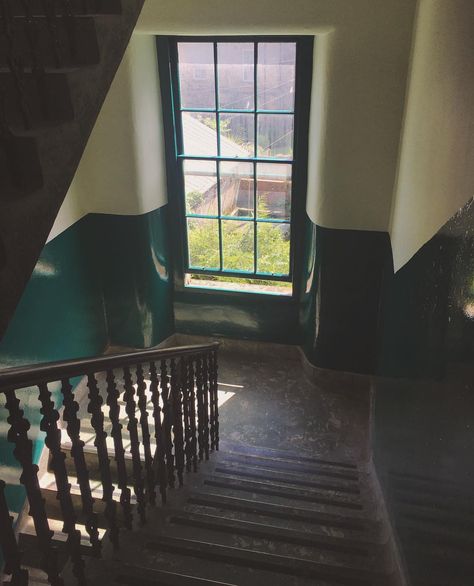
[(235, 125)]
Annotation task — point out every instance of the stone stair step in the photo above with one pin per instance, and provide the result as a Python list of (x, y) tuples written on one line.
[(293, 479), (286, 455)]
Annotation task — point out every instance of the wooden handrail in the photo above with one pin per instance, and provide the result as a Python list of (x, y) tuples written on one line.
[(179, 384), (32, 374)]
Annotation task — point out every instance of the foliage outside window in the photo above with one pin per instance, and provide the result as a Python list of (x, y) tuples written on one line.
[(235, 127)]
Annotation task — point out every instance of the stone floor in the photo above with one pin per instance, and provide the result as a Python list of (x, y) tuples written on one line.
[(266, 400)]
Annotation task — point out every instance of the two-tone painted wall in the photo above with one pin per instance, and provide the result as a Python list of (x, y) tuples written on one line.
[(103, 278)]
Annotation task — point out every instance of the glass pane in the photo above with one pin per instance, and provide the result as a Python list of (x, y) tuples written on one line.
[(236, 75), (273, 248), (199, 133), (196, 75), (237, 245), (273, 191), (275, 135), (200, 187), (236, 188), (276, 76), (237, 135), (203, 243)]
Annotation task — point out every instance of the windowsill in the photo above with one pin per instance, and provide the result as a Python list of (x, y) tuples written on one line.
[(275, 289)]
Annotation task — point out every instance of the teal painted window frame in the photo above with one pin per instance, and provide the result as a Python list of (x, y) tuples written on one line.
[(168, 66)]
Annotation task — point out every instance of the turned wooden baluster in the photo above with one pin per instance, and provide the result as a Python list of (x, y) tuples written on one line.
[(97, 421), (200, 406), (49, 7), (23, 452), (73, 427), (213, 398), (205, 380), (159, 458), (176, 400), (130, 408), (49, 424), (9, 546), (185, 394), (142, 406), (192, 415), (116, 433), (167, 422)]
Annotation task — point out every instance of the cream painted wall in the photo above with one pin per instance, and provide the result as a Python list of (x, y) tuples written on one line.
[(359, 83), (436, 173), (122, 170)]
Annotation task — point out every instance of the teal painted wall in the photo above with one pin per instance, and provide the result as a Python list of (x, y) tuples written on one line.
[(244, 316), (104, 281), (60, 315), (134, 270), (340, 296)]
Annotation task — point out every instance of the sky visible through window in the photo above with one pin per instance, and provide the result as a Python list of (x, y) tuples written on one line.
[(236, 114)]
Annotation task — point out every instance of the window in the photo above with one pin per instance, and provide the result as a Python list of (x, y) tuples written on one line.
[(234, 113)]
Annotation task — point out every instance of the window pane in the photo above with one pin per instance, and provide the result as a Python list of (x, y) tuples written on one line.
[(235, 65), (196, 75), (200, 187), (276, 76), (273, 248), (237, 135), (203, 243), (236, 188), (199, 133), (237, 245), (273, 191), (275, 135)]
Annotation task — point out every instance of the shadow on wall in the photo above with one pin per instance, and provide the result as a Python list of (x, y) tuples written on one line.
[(424, 429)]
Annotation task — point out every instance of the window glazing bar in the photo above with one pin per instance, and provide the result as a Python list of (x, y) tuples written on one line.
[(236, 159)]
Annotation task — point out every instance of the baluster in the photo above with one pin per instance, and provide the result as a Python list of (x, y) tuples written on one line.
[(8, 544), (200, 406), (167, 422), (116, 433), (185, 394), (49, 7), (130, 407), (142, 405), (205, 377), (214, 401), (97, 421), (49, 424), (73, 427), (176, 400), (159, 458), (23, 452), (192, 415)]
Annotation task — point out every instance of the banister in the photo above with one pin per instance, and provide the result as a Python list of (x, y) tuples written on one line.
[(32, 374)]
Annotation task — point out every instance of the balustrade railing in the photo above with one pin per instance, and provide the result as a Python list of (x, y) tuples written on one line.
[(169, 396)]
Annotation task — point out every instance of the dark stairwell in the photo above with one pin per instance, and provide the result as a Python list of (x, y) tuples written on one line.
[(287, 495)]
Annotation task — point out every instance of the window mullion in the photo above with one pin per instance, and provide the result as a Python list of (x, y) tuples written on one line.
[(255, 152), (218, 138)]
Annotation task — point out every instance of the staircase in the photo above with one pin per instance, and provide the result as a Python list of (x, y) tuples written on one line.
[(57, 61), (259, 516), (230, 513)]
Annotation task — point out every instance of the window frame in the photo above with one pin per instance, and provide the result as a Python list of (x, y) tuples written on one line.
[(169, 79)]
